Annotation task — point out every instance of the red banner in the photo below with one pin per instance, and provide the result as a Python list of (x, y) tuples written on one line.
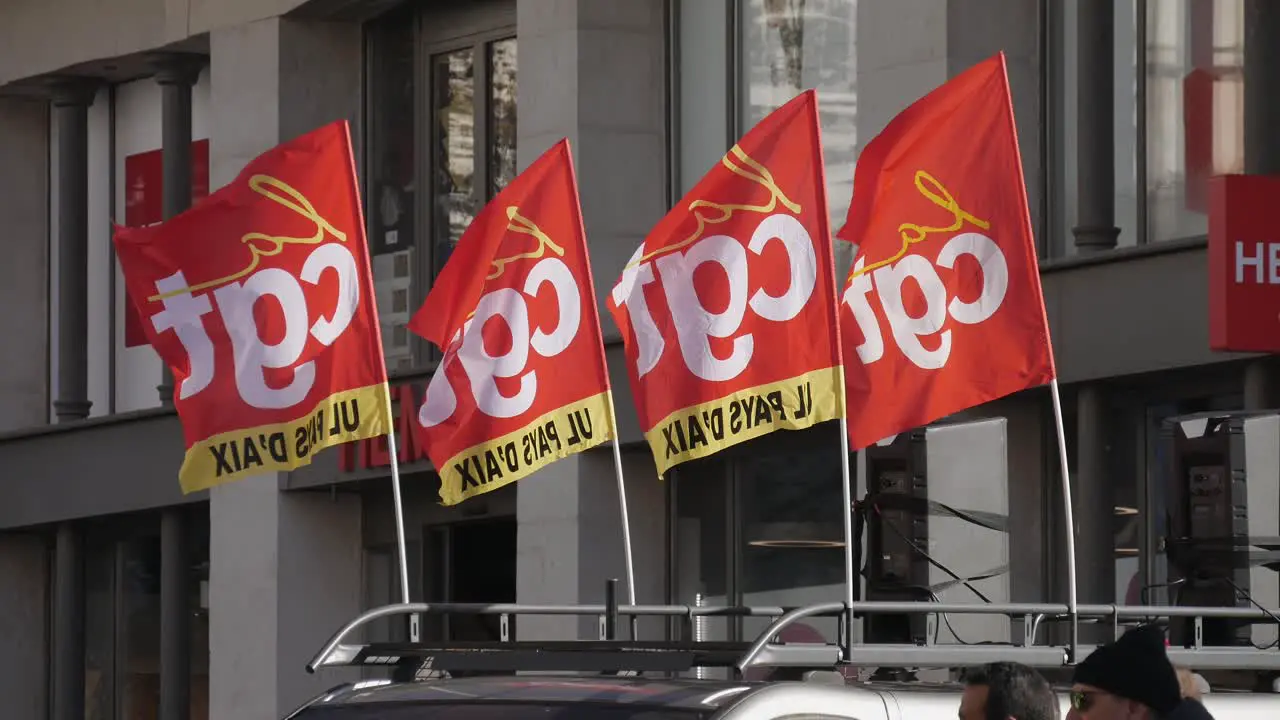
[(943, 308), (260, 300), (1244, 264), (728, 307), (523, 381)]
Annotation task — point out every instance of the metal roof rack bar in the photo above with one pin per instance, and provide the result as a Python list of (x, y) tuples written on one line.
[(612, 653)]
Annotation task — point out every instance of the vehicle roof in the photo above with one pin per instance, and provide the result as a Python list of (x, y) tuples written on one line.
[(675, 693)]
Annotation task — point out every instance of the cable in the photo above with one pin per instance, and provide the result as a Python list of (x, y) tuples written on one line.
[(944, 617), (1258, 605), (929, 558)]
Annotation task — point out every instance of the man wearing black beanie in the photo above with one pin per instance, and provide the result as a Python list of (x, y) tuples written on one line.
[(1129, 679)]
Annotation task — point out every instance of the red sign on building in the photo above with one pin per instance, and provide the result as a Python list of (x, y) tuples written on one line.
[(144, 205), (1244, 264)]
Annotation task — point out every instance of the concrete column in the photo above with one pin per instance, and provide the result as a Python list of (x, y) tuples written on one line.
[(285, 567), (1262, 147), (24, 276), (24, 615), (1094, 507), (175, 616), (1095, 228), (71, 101), (68, 624), (593, 71), (175, 74)]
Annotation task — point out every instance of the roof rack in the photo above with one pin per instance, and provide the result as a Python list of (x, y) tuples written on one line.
[(610, 654)]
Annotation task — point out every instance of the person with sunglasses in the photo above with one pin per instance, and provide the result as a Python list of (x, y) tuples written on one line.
[(1007, 691), (1129, 679)]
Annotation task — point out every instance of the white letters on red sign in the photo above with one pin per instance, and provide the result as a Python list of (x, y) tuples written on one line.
[(183, 313), (482, 369), (908, 330), (694, 324), (1256, 261)]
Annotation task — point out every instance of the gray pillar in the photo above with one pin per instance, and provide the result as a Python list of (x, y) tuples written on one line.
[(1094, 507), (71, 101), (1262, 145), (175, 74), (1095, 228), (68, 625), (175, 616)]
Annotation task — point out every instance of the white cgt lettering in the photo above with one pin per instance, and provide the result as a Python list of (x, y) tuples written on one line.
[(183, 313), (484, 369), (695, 325), (908, 331)]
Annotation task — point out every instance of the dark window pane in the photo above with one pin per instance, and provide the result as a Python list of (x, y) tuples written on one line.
[(453, 158), (391, 193), (792, 534), (502, 108)]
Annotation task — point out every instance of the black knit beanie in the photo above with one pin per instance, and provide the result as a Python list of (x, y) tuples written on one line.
[(1135, 667)]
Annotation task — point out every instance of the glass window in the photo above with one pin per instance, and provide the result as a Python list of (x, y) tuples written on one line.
[(122, 623), (390, 187), (792, 540), (1062, 241), (1195, 109), (701, 528), (449, 130), (502, 114), (473, 137), (788, 46), (453, 151)]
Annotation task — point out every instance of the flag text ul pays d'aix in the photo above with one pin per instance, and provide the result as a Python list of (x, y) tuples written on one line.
[(260, 300), (728, 308), (523, 381), (943, 309)]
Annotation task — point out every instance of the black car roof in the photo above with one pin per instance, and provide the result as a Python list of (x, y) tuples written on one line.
[(673, 693)]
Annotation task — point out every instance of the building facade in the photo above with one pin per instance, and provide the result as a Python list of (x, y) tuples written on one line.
[(121, 598)]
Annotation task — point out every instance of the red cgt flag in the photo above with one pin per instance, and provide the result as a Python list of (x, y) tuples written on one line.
[(728, 307), (943, 308), (523, 381), (260, 300)]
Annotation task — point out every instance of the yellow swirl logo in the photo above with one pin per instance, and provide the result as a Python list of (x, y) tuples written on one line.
[(912, 234), (711, 213), (262, 245), (521, 224)]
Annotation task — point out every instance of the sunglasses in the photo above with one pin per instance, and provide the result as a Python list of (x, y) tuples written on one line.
[(1082, 700)]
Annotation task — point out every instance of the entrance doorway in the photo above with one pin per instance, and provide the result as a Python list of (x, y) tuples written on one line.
[(471, 562)]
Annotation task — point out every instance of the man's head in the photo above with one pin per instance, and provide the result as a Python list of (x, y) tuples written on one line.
[(1129, 679), (1004, 690)]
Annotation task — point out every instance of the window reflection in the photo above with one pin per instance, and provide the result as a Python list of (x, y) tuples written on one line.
[(391, 188), (793, 45), (502, 121), (1195, 109), (453, 160)]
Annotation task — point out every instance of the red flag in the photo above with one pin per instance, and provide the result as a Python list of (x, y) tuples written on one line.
[(260, 300), (943, 308), (523, 382), (728, 308)]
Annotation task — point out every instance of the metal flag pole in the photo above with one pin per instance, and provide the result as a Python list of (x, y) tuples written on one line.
[(399, 510), (1068, 517), (850, 576), (622, 503)]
